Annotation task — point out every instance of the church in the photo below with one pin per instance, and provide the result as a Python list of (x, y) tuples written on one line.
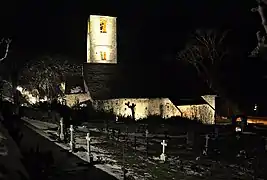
[(108, 86)]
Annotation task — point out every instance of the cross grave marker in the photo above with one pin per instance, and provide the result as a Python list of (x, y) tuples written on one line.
[(71, 138), (61, 135), (163, 155)]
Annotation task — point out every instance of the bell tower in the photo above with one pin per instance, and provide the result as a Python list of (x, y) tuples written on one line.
[(101, 39)]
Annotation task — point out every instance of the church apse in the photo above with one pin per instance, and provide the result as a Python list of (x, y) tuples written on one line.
[(101, 40)]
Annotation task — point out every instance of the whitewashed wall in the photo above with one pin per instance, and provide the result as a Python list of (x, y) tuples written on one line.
[(157, 106)]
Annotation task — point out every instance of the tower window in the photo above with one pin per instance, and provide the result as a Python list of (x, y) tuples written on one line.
[(103, 55), (103, 25)]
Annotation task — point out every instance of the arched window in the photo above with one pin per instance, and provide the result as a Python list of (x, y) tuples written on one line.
[(103, 55), (103, 25)]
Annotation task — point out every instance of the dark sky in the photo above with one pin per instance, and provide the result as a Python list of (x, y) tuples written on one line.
[(147, 31)]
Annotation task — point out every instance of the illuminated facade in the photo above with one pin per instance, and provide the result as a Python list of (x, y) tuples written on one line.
[(160, 106), (101, 73), (101, 39)]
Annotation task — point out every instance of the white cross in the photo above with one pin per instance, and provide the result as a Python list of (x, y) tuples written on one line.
[(163, 146), (71, 137), (88, 140), (205, 151), (61, 135), (207, 140)]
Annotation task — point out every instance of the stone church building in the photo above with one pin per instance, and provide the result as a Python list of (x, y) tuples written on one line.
[(109, 85)]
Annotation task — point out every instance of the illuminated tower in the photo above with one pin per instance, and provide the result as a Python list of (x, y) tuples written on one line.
[(101, 39)]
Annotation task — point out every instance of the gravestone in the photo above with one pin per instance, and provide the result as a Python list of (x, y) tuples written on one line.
[(117, 118), (216, 132), (205, 151), (146, 142), (190, 138), (71, 138), (163, 155), (61, 135), (88, 143), (135, 142)]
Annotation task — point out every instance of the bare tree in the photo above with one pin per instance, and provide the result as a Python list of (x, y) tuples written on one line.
[(206, 52), (7, 43), (46, 74), (260, 49)]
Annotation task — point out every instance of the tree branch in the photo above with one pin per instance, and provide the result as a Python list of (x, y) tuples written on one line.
[(205, 53), (8, 42)]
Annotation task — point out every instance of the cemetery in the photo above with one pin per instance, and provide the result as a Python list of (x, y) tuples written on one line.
[(149, 151), (105, 120)]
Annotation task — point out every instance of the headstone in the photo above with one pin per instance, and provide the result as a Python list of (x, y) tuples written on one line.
[(127, 136), (134, 142), (205, 152), (71, 138), (147, 133), (61, 135), (190, 137), (163, 155), (146, 142), (88, 140), (216, 132)]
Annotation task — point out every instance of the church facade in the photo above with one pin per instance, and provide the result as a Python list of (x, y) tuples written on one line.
[(105, 82)]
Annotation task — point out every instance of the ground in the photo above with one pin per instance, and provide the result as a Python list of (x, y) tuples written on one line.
[(11, 166), (182, 162), (64, 165)]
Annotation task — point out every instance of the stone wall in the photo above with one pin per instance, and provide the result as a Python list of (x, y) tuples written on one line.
[(100, 79), (144, 107), (72, 99), (201, 112), (156, 106)]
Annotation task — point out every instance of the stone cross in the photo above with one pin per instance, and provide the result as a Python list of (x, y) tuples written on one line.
[(163, 156), (88, 140), (117, 119), (71, 138), (216, 132), (205, 152), (146, 142), (61, 135), (147, 133), (190, 137)]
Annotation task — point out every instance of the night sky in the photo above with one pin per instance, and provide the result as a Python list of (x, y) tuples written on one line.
[(147, 32)]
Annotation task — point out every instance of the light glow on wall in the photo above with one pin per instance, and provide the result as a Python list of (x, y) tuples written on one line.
[(157, 106), (31, 99)]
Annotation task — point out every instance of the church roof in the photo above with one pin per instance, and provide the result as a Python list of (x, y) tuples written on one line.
[(108, 81)]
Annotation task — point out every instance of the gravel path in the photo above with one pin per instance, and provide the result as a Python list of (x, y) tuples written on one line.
[(66, 165)]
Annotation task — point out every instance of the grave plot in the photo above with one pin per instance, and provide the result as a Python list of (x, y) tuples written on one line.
[(184, 160), (138, 154)]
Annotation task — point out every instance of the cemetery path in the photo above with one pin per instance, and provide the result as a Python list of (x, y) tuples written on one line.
[(66, 165)]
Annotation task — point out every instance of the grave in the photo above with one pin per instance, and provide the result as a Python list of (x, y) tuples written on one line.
[(71, 138), (163, 155), (88, 143), (61, 135)]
